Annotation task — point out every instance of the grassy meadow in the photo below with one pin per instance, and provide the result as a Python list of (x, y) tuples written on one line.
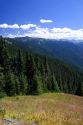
[(45, 109)]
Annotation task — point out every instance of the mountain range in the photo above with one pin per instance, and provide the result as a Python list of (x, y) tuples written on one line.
[(68, 51)]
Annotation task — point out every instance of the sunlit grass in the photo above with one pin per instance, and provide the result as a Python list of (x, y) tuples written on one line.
[(45, 109)]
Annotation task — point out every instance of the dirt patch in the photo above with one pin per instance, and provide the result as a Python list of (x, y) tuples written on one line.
[(11, 122)]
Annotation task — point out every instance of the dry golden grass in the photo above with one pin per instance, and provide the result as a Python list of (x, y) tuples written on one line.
[(46, 109)]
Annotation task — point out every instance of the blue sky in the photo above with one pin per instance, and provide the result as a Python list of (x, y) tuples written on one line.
[(61, 15)]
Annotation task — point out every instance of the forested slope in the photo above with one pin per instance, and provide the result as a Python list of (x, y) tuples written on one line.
[(23, 73)]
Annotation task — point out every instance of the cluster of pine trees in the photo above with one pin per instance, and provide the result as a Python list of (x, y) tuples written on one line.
[(23, 73)]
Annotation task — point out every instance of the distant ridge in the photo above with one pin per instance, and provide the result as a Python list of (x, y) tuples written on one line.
[(69, 51)]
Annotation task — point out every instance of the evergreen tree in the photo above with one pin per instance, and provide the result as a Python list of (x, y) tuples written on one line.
[(54, 83), (79, 90), (30, 72), (19, 66), (9, 84)]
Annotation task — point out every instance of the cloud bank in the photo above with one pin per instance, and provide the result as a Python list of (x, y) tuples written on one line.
[(56, 33), (34, 30)]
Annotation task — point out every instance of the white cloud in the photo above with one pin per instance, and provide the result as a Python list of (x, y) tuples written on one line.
[(27, 26), (61, 30), (56, 33), (14, 26), (46, 21), (3, 25)]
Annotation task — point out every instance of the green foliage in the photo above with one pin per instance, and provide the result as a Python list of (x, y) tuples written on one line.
[(24, 73), (2, 94), (9, 84)]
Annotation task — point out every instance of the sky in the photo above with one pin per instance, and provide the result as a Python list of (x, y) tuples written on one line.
[(55, 19)]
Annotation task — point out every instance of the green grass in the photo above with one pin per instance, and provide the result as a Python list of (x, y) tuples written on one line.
[(45, 109)]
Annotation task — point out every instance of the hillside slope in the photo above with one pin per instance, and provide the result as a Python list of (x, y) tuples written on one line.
[(26, 73), (23, 73)]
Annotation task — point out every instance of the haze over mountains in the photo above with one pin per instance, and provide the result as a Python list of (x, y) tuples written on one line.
[(69, 51)]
